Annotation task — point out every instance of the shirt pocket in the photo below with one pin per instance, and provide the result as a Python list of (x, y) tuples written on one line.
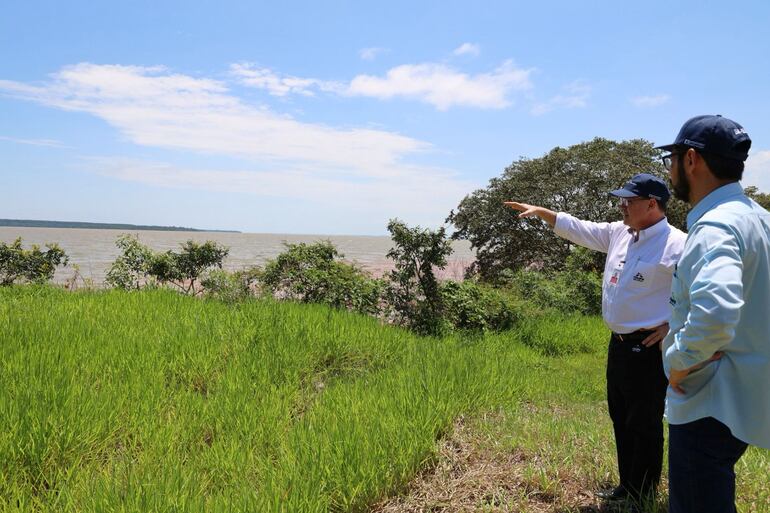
[(647, 276)]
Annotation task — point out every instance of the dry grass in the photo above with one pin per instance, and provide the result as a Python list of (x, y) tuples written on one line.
[(469, 475), (491, 464)]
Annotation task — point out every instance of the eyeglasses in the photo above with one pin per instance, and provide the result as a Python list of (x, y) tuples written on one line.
[(625, 202), (667, 161)]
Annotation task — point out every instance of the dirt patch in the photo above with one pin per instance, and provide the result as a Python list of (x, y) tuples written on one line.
[(469, 477)]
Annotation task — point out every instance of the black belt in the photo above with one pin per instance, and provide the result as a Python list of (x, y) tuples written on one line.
[(634, 335)]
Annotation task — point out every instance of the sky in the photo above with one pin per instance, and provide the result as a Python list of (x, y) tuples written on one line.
[(334, 117)]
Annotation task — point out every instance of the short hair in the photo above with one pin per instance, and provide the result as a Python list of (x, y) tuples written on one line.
[(724, 168)]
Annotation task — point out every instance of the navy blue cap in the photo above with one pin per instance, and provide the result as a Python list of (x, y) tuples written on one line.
[(713, 134), (646, 186)]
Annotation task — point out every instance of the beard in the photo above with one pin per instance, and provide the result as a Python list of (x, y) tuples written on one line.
[(682, 187)]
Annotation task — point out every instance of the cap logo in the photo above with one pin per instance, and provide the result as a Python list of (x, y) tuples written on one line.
[(695, 144), (738, 131)]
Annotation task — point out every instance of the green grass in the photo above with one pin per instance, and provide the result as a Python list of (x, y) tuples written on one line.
[(152, 401)]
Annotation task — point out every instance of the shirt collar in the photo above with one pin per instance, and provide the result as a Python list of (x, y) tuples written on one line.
[(712, 199), (650, 231)]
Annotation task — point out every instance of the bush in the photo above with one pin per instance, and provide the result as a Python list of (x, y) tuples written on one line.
[(314, 273), (574, 289), (32, 265), (131, 270), (230, 287), (140, 266), (470, 306), (413, 292)]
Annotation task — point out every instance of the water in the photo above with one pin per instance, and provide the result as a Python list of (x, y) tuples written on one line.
[(93, 251)]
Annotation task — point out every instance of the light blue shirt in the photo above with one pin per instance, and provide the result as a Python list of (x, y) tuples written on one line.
[(721, 302)]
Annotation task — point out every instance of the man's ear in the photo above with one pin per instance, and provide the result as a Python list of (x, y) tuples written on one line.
[(690, 162)]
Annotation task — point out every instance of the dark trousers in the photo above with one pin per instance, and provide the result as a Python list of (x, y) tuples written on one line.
[(636, 394), (701, 461)]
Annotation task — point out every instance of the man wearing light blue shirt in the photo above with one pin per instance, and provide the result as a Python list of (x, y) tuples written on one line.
[(717, 352)]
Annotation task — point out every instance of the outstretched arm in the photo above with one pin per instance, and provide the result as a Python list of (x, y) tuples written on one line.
[(549, 216)]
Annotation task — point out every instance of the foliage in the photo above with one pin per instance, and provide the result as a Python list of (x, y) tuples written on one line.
[(413, 290), (185, 268), (138, 265), (231, 287), (762, 198), (471, 306), (314, 273), (32, 265), (575, 289), (131, 270), (574, 180)]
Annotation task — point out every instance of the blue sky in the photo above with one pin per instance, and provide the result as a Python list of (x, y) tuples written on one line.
[(333, 117)]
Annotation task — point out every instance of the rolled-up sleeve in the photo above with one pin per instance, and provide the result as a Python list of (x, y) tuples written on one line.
[(716, 297), (596, 236)]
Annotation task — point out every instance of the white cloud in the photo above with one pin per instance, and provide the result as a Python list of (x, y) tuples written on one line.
[(153, 107), (468, 49), (369, 54), (757, 170), (576, 95), (433, 83), (650, 101), (51, 143), (351, 170), (445, 87), (279, 85)]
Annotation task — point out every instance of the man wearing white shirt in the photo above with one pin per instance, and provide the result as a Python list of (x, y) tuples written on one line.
[(642, 251)]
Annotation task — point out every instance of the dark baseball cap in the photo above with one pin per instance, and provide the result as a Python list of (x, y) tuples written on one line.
[(713, 134), (646, 186)]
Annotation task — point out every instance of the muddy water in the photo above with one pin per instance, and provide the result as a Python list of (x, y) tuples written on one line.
[(93, 251)]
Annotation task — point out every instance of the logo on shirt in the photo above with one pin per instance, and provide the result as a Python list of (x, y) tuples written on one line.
[(672, 301), (638, 277)]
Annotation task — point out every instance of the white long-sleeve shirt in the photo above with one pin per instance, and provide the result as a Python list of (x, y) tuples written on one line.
[(636, 287)]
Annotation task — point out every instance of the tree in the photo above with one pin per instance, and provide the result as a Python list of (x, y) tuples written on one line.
[(139, 265), (184, 269), (314, 273), (760, 197), (32, 265), (574, 180), (414, 291), (130, 271)]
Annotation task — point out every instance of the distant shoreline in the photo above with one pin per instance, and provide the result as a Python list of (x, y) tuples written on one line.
[(30, 223)]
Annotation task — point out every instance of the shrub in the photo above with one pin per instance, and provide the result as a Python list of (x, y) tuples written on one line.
[(475, 307), (314, 273), (31, 265), (575, 289), (140, 266), (230, 287), (184, 269), (413, 291), (131, 270)]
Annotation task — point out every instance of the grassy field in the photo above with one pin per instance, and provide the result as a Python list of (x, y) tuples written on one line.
[(153, 401)]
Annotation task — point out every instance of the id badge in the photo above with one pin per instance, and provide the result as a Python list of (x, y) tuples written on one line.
[(615, 276)]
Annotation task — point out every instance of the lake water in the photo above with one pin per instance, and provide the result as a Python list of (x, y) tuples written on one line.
[(93, 251)]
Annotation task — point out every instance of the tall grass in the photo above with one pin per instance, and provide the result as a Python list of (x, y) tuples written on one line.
[(151, 401)]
